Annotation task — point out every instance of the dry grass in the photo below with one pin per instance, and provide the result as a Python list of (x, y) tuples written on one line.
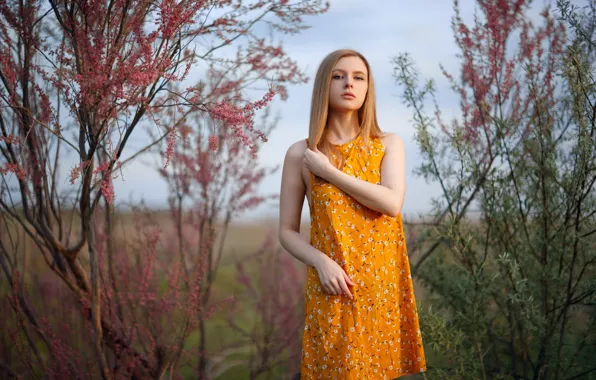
[(242, 239)]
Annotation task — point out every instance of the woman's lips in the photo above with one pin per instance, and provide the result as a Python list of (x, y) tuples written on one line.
[(348, 96)]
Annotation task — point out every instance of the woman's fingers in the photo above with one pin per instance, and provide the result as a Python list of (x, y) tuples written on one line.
[(326, 288), (331, 287), (331, 290), (337, 286), (334, 279), (344, 288), (348, 279)]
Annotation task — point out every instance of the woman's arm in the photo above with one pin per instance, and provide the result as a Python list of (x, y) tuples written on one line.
[(388, 197), (290, 208), (333, 278)]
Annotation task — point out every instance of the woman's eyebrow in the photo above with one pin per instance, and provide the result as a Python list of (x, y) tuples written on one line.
[(355, 72)]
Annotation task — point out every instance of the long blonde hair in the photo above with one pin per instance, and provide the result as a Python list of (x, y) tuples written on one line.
[(319, 109)]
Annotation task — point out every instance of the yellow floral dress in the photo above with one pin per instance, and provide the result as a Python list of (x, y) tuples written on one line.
[(376, 335)]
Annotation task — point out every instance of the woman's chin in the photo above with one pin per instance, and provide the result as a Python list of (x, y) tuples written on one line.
[(344, 107)]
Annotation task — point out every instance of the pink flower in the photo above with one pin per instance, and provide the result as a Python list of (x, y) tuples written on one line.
[(229, 113), (76, 171), (213, 142), (16, 169), (236, 117), (170, 148), (102, 168), (107, 188)]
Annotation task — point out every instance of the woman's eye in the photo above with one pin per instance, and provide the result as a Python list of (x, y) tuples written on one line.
[(337, 76)]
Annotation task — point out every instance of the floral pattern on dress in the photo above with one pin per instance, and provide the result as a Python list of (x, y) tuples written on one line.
[(376, 335)]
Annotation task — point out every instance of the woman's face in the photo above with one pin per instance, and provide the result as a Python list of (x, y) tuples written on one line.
[(349, 84)]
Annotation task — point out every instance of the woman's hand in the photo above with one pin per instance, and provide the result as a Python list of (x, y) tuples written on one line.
[(333, 278), (317, 162)]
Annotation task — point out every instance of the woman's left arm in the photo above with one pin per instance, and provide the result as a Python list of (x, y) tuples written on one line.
[(386, 198)]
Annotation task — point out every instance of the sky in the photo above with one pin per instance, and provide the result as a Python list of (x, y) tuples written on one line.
[(380, 30)]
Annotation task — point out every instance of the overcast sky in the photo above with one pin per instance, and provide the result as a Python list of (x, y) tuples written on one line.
[(380, 30)]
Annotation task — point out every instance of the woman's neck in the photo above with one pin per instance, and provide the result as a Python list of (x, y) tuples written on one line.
[(342, 126)]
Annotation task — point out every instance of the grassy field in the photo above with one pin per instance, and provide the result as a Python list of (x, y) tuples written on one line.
[(226, 347)]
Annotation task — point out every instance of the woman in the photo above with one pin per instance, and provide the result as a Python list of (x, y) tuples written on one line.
[(361, 319)]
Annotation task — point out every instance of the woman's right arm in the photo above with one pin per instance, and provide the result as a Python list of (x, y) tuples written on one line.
[(334, 279), (291, 201)]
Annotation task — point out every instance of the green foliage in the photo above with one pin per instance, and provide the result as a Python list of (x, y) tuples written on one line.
[(512, 262)]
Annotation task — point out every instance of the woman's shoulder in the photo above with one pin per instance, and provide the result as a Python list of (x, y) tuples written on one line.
[(391, 140), (296, 150)]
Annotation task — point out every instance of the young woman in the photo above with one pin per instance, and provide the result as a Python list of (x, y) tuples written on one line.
[(361, 319)]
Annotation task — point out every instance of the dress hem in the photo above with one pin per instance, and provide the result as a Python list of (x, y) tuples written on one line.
[(408, 373), (412, 372)]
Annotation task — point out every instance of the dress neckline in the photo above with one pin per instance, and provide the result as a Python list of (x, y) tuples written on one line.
[(347, 142)]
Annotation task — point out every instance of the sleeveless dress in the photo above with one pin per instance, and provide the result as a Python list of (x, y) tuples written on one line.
[(376, 335)]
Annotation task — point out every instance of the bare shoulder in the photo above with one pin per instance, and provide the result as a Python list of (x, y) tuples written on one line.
[(296, 150), (293, 172), (392, 142)]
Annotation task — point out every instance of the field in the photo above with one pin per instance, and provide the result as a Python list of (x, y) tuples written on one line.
[(229, 349)]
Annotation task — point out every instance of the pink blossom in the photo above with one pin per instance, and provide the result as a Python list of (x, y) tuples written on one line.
[(229, 113), (107, 188), (213, 142), (236, 117), (76, 171), (102, 168), (14, 168), (170, 147)]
